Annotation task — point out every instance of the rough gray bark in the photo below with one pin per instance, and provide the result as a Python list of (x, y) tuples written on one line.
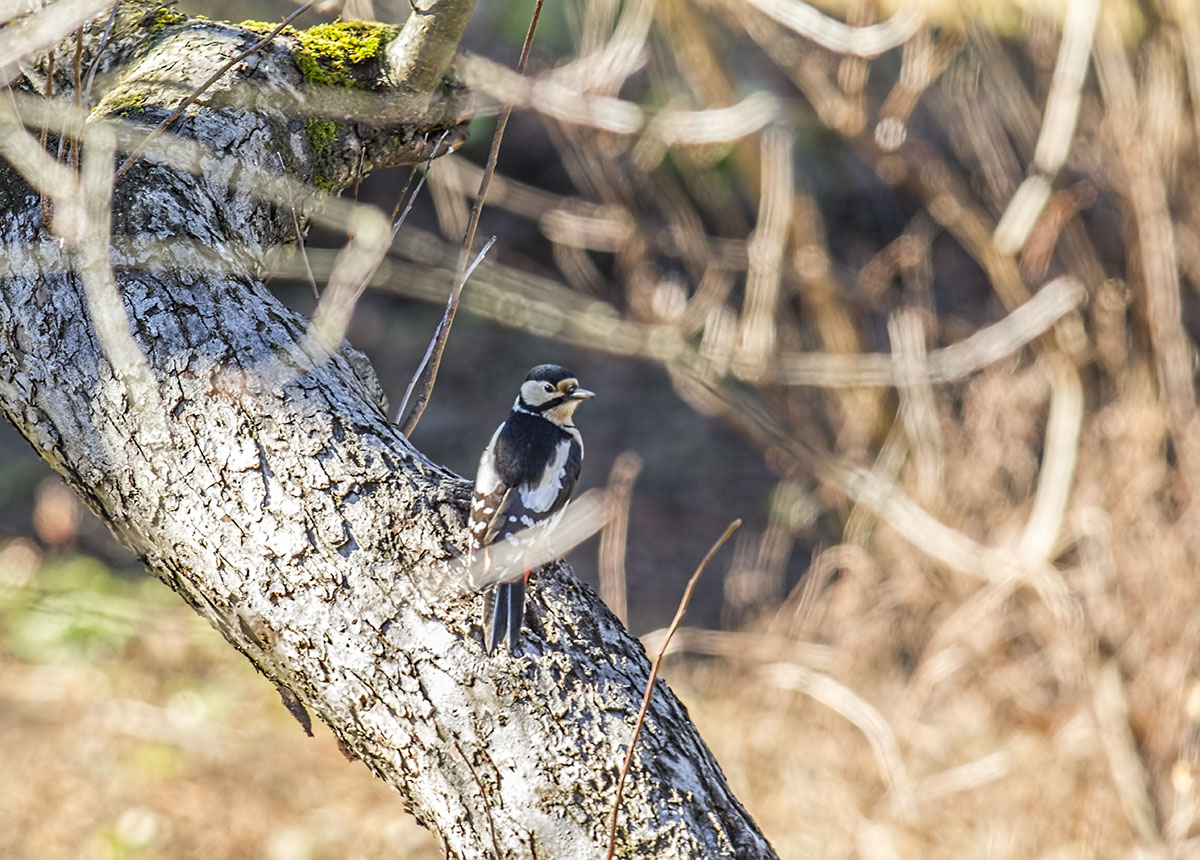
[(262, 480)]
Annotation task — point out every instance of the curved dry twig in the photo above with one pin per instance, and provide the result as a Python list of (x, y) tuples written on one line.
[(869, 41)]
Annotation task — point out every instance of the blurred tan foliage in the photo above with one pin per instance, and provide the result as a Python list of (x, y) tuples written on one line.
[(940, 263)]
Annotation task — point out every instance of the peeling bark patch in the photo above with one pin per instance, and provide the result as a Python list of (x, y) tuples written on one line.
[(294, 706)]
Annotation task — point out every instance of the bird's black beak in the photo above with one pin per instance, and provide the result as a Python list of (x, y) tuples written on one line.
[(580, 394)]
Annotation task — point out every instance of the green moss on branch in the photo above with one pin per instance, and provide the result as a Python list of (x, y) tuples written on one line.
[(343, 53)]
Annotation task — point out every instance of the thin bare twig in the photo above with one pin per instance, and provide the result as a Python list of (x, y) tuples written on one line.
[(426, 375), (47, 95), (216, 76), (336, 305), (641, 717), (76, 96), (312, 281), (91, 76), (33, 34)]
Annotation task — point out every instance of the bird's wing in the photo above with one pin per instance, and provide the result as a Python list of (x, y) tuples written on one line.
[(490, 493), (508, 500), (506, 503), (549, 491)]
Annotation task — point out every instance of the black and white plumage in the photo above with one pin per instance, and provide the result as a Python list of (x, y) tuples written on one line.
[(526, 476)]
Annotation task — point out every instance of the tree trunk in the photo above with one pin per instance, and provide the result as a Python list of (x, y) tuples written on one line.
[(259, 476)]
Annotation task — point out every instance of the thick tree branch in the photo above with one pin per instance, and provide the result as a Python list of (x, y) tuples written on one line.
[(422, 51), (279, 501)]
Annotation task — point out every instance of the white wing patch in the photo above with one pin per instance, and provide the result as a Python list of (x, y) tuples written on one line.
[(542, 496)]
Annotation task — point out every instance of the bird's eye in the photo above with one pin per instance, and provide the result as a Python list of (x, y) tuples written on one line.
[(549, 388)]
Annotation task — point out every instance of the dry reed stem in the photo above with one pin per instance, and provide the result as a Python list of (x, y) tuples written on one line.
[(1060, 453), (351, 271), (549, 309), (1058, 127), (55, 182), (990, 344), (1128, 776), (714, 125), (33, 34), (742, 646), (1187, 16), (924, 59), (451, 208), (1146, 194), (347, 273), (584, 517), (918, 412), (948, 545), (865, 717), (756, 329), (549, 97), (188, 155), (964, 777), (800, 614), (604, 69), (103, 296), (619, 495), (893, 452)]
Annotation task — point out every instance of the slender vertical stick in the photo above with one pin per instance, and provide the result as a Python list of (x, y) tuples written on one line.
[(641, 717), (416, 397)]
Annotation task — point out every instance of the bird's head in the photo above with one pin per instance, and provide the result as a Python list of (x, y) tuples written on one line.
[(553, 392)]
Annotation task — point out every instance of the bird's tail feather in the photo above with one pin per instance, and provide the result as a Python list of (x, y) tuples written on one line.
[(495, 617), (504, 613), (516, 613)]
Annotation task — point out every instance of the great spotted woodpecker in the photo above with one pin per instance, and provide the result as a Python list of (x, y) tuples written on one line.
[(526, 475)]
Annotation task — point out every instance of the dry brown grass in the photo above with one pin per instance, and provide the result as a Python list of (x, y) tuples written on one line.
[(130, 729)]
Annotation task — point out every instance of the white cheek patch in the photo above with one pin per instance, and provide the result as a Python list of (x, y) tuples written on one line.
[(534, 392), (542, 496)]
